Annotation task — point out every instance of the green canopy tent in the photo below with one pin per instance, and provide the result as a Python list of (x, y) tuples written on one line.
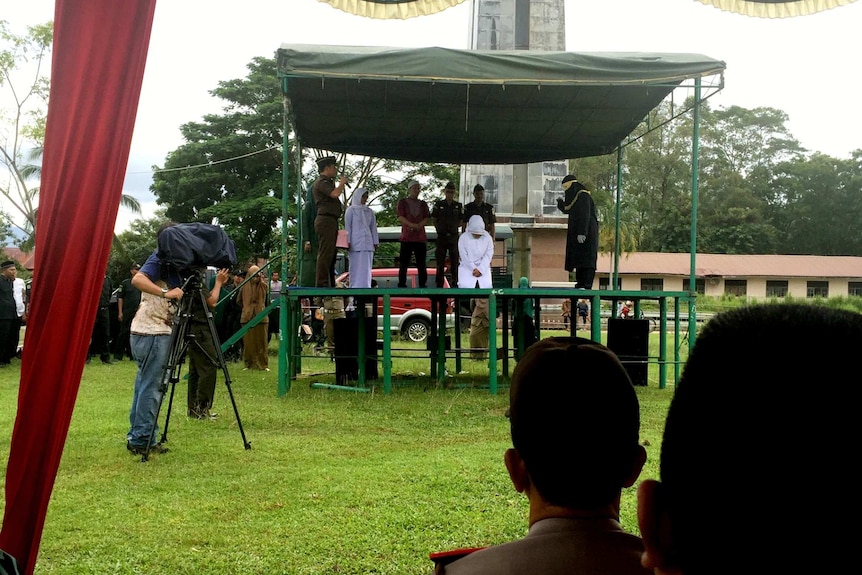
[(475, 106)]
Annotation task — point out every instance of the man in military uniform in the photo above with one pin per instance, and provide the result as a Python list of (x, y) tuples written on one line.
[(128, 300), (447, 215), (8, 315), (478, 207), (327, 199)]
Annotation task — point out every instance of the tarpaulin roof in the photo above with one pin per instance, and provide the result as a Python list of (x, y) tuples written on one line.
[(475, 106)]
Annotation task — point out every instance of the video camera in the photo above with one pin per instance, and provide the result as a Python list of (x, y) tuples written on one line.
[(194, 246)]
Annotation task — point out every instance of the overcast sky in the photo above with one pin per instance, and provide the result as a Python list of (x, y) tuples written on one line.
[(806, 66)]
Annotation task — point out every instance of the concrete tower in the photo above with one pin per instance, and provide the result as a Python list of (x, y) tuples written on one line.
[(522, 192)]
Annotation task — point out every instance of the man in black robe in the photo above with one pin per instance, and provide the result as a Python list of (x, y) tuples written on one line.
[(582, 238)]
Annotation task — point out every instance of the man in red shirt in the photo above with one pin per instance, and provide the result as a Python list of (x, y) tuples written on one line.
[(413, 214)]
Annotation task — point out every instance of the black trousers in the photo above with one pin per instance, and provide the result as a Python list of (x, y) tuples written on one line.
[(419, 250), (100, 341), (8, 331), (584, 277), (447, 246), (123, 344)]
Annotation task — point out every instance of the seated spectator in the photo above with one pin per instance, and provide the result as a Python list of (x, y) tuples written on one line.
[(758, 446), (575, 441)]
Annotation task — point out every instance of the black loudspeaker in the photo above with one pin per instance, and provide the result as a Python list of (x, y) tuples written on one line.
[(629, 339), (346, 333)]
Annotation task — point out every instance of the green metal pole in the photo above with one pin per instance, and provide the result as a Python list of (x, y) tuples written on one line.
[(287, 341), (387, 344), (492, 343), (695, 153), (617, 213), (662, 344), (361, 343), (595, 318), (441, 340), (458, 366), (676, 355)]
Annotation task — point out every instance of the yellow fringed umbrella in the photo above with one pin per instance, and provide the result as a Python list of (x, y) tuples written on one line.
[(392, 9), (775, 8)]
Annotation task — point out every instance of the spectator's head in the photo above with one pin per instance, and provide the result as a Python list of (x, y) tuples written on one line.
[(252, 272), (575, 421), (133, 269), (758, 442), (8, 269), (568, 181), (479, 193)]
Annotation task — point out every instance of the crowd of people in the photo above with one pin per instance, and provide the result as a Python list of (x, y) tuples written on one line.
[(465, 233)]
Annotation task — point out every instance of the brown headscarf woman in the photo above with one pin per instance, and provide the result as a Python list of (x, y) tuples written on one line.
[(253, 300)]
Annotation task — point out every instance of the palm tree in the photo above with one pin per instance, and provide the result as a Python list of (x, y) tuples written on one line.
[(33, 171)]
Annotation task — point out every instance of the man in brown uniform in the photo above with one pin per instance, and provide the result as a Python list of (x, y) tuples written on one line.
[(326, 197)]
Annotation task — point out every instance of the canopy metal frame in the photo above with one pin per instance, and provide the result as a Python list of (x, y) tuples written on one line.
[(306, 71)]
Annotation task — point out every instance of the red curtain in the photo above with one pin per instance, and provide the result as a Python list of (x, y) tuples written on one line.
[(100, 48)]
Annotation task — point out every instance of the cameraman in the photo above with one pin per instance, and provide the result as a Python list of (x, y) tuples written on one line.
[(201, 349)]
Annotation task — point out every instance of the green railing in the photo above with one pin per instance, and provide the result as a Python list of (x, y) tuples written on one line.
[(291, 345)]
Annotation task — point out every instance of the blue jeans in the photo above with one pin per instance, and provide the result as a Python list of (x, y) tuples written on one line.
[(150, 353)]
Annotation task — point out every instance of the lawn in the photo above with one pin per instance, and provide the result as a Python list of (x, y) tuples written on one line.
[(335, 482)]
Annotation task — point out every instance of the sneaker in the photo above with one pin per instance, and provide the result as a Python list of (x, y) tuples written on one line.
[(157, 448), (206, 414)]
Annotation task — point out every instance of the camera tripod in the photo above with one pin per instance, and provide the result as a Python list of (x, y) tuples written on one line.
[(181, 339)]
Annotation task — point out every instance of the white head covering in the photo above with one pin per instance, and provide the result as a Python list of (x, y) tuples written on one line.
[(356, 201), (476, 225)]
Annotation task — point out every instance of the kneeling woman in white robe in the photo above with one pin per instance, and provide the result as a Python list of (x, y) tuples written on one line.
[(475, 249), (361, 225)]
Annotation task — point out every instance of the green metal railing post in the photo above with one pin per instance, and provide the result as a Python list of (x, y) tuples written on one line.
[(387, 344), (662, 343), (492, 343), (595, 318), (676, 328), (361, 343), (441, 340)]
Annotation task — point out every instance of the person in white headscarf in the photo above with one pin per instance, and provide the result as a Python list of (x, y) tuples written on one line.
[(361, 225), (475, 250)]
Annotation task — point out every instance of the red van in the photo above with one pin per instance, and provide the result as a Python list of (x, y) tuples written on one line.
[(410, 315)]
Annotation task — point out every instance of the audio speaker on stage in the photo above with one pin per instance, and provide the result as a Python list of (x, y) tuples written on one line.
[(629, 339), (347, 348)]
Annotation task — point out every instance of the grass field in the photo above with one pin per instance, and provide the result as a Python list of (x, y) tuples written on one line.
[(336, 482)]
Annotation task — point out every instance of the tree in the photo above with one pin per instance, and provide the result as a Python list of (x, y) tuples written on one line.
[(818, 206), (138, 242), (229, 170), (22, 131), (22, 119)]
